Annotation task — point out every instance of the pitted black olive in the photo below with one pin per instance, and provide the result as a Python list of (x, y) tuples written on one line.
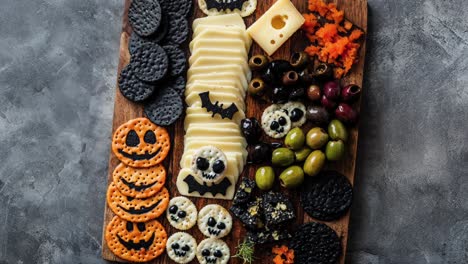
[(218, 166), (299, 60), (282, 121), (211, 222), (221, 226), (306, 77), (257, 87), (218, 254), (258, 62), (251, 130), (261, 153), (275, 70), (173, 209), (276, 145), (290, 78), (274, 125), (205, 253), (181, 214), (323, 72), (202, 164), (297, 93), (175, 246), (296, 114), (279, 95), (186, 248)]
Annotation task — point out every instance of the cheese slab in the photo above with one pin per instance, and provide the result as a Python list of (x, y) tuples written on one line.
[(217, 43), (194, 131), (190, 186), (221, 52), (220, 62), (276, 26), (223, 20), (203, 126), (210, 32), (233, 73), (214, 80), (200, 87)]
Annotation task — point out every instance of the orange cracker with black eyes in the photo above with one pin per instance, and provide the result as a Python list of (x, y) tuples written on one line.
[(136, 242), (137, 209), (140, 143), (139, 182)]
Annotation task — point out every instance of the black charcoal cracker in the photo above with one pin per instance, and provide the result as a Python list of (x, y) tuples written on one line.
[(315, 243), (144, 16), (150, 62), (178, 30), (328, 196), (244, 192), (277, 209), (180, 7), (249, 214), (176, 83), (133, 88), (266, 235), (164, 107), (137, 40), (177, 60)]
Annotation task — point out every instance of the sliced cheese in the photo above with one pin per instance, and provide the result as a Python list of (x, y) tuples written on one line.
[(215, 80), (200, 87), (224, 99), (198, 111), (276, 26), (183, 187), (211, 32), (235, 44), (194, 131), (208, 119), (227, 71), (224, 146), (208, 126), (220, 62), (219, 52), (229, 20)]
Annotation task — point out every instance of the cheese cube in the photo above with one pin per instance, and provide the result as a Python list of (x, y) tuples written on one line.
[(276, 26)]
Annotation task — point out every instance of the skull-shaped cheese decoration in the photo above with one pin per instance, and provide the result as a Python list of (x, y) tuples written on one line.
[(213, 251), (214, 221), (209, 164), (181, 247), (181, 213)]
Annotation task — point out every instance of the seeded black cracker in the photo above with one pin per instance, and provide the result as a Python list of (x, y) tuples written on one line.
[(316, 243), (164, 107), (327, 196), (180, 7), (277, 209), (266, 235), (177, 60), (249, 214), (178, 30), (137, 40), (144, 16), (133, 88), (150, 62), (244, 192), (176, 83)]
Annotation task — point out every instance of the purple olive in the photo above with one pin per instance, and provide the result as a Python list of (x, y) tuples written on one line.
[(332, 90), (251, 130), (327, 103), (350, 93), (345, 113), (318, 115)]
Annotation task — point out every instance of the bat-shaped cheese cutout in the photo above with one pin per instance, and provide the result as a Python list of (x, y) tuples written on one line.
[(214, 189), (217, 108)]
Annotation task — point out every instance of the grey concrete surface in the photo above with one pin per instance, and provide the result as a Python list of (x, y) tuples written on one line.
[(58, 64)]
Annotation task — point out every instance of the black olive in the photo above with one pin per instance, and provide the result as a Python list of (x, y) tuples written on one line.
[(279, 95), (318, 115), (306, 77), (181, 214), (275, 70), (211, 222), (290, 78), (218, 254), (261, 153), (202, 163), (297, 93), (282, 121), (324, 72), (218, 166), (175, 246), (251, 130), (173, 209), (296, 114), (186, 248), (221, 226), (276, 145), (206, 252), (257, 87), (299, 60), (274, 125)]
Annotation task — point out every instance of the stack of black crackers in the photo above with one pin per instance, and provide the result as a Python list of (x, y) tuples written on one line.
[(156, 73)]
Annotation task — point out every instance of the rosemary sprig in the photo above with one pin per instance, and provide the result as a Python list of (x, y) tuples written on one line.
[(245, 251)]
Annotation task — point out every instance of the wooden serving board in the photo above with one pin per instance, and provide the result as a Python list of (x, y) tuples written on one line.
[(124, 110)]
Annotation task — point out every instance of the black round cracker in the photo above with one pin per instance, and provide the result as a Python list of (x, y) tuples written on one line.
[(164, 107), (133, 88), (176, 83), (316, 243), (177, 60), (327, 196), (178, 30), (137, 40), (180, 7), (150, 62), (144, 16)]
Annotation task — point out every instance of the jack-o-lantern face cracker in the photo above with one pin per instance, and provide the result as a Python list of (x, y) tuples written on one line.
[(136, 242), (134, 209), (140, 143), (139, 182)]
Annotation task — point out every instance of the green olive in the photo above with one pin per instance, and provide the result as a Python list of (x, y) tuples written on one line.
[(337, 130), (292, 177), (258, 62), (335, 150), (316, 138), (295, 139), (265, 178), (282, 157), (314, 163), (302, 154), (257, 87)]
